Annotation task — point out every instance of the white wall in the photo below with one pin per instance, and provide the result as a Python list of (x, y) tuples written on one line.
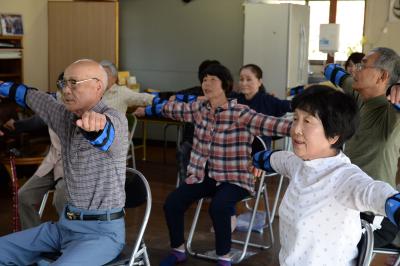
[(162, 42), (34, 18), (379, 31)]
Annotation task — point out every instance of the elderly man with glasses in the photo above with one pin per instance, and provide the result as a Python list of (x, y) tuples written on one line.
[(375, 147), (94, 141)]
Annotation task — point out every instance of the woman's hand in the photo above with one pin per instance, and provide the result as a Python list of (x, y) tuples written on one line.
[(257, 172)]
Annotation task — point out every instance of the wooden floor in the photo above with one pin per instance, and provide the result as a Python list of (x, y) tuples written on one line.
[(162, 179)]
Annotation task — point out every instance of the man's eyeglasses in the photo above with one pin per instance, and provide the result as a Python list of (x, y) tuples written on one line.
[(361, 66), (71, 83)]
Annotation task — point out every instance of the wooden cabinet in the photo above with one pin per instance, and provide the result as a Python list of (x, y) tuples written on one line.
[(84, 29), (11, 56)]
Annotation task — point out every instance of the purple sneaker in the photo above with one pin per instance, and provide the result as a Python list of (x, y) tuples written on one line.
[(173, 258), (224, 263)]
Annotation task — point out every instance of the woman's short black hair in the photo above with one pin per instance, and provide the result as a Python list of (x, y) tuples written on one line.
[(355, 58), (203, 65), (222, 73), (337, 111)]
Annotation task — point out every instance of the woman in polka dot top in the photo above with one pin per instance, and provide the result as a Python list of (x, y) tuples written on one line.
[(320, 211)]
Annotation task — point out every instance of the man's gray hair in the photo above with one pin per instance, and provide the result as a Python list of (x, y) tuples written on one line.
[(110, 65), (388, 60)]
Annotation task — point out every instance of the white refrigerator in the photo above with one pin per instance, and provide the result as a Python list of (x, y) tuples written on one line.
[(276, 39)]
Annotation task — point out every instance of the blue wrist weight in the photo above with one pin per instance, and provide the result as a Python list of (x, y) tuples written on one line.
[(296, 90), (392, 208), (14, 91), (5, 89), (187, 98), (261, 160), (148, 111), (335, 73), (154, 109), (159, 108), (156, 100)]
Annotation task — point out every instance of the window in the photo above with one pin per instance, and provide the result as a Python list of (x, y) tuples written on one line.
[(350, 16)]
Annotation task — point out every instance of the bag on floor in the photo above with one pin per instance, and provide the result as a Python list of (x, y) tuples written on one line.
[(243, 221)]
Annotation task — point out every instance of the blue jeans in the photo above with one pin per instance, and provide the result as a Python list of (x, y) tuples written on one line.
[(81, 242)]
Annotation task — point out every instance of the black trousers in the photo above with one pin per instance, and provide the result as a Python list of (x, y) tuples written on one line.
[(386, 234), (223, 198)]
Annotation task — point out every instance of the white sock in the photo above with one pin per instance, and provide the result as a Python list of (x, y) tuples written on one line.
[(179, 250)]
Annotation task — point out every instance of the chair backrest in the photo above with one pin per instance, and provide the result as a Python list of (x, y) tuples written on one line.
[(258, 145), (366, 245), (132, 123), (137, 193)]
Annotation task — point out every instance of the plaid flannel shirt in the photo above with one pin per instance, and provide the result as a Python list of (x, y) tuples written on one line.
[(95, 178), (223, 139)]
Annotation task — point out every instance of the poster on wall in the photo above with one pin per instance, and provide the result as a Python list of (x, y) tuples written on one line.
[(394, 11), (11, 24)]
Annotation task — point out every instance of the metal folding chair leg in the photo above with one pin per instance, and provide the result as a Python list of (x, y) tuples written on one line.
[(264, 194), (276, 199), (397, 262), (43, 203), (132, 120)]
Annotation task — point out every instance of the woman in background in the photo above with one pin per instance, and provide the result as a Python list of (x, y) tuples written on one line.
[(354, 58), (253, 94)]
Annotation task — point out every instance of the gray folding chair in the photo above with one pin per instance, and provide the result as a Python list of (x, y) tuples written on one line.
[(388, 250), (132, 122), (366, 245), (239, 254), (44, 201), (137, 193)]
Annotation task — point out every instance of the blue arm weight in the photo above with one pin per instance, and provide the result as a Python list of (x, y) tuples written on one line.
[(14, 91), (261, 160), (392, 208), (335, 73)]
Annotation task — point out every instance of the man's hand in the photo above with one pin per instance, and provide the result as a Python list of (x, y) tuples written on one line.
[(139, 112), (10, 125), (393, 94), (92, 121), (1, 133), (201, 98)]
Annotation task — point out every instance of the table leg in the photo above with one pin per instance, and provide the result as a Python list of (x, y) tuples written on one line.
[(144, 140), (178, 142)]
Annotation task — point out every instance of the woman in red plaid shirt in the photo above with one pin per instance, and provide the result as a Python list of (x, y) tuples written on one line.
[(220, 162)]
